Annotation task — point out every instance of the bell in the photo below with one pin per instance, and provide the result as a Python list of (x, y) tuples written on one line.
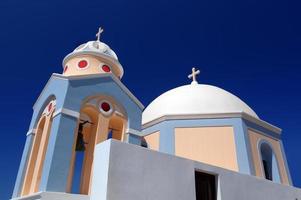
[(80, 142)]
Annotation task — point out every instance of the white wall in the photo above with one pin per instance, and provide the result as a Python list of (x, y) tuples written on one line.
[(136, 173)]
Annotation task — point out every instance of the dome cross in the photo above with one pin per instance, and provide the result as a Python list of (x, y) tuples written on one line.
[(98, 34), (193, 75)]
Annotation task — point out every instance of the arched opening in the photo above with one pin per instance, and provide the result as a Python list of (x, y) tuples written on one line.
[(83, 151), (116, 127), (35, 164), (267, 160), (99, 120), (144, 143)]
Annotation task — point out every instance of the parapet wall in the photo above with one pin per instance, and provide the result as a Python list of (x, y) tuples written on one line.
[(129, 172)]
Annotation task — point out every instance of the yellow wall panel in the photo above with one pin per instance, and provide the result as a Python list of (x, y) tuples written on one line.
[(153, 140), (211, 145)]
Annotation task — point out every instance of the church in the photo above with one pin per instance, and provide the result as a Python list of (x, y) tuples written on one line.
[(90, 138)]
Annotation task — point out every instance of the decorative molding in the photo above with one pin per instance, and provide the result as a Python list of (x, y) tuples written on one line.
[(105, 113), (86, 67), (52, 195), (215, 116), (35, 196), (31, 132), (133, 132), (66, 111)]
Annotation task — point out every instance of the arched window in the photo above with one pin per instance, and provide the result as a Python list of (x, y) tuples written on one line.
[(116, 127), (100, 119), (80, 172), (143, 143), (35, 164), (267, 160)]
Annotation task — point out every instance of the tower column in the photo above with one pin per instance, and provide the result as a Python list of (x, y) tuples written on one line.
[(23, 164), (59, 153)]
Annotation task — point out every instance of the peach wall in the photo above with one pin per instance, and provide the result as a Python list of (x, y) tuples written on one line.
[(211, 145), (94, 66), (153, 140), (254, 140)]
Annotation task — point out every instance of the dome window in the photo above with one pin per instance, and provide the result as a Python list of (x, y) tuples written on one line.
[(82, 64), (106, 68), (49, 106), (66, 68), (105, 108)]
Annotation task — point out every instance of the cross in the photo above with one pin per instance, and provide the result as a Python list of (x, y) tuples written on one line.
[(193, 75), (100, 30)]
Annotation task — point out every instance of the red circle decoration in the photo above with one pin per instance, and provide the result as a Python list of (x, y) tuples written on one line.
[(66, 68), (49, 107), (106, 68), (105, 106), (82, 64)]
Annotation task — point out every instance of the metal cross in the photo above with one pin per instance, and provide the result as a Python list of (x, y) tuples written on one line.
[(193, 75), (100, 30)]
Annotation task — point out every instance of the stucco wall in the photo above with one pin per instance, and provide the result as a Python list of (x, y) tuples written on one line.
[(211, 145), (136, 173), (130, 172)]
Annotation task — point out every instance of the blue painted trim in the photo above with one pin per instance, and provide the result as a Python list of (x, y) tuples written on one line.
[(286, 163), (240, 135), (134, 139), (249, 149), (56, 88), (79, 90), (59, 154), (22, 167), (167, 139), (243, 149), (263, 130), (275, 170)]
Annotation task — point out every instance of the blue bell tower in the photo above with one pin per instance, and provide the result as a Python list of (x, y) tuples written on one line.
[(83, 106)]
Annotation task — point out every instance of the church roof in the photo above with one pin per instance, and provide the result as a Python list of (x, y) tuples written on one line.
[(195, 99)]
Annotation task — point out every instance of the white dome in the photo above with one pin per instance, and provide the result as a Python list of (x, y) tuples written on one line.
[(95, 48), (195, 99)]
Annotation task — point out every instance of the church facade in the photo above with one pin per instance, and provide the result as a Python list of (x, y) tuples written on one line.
[(91, 138)]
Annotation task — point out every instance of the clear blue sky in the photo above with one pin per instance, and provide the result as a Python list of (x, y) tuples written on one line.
[(251, 48)]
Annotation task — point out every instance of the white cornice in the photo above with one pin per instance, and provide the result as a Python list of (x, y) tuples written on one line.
[(133, 132), (31, 132), (68, 112), (215, 116)]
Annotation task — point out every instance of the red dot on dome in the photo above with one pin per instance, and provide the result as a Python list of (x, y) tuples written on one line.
[(82, 64), (66, 68), (105, 106), (49, 107), (106, 68)]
